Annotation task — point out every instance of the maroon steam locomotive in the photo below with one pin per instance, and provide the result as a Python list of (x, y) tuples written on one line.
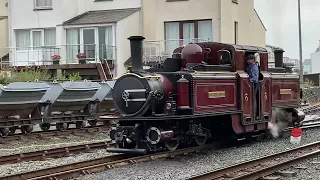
[(199, 94)]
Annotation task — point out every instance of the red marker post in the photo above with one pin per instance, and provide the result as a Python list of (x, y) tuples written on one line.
[(296, 136)]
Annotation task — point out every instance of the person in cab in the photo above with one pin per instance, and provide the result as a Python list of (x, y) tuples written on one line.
[(253, 71)]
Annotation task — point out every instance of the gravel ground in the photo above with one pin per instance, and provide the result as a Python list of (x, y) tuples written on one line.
[(18, 168), (28, 144), (310, 171), (184, 167)]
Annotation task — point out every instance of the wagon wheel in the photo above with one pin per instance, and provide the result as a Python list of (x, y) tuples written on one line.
[(62, 126), (45, 126), (92, 122), (12, 130), (26, 129), (106, 122), (79, 124), (4, 132), (172, 144)]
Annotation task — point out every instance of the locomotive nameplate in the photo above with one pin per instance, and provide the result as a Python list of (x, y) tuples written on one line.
[(216, 94), (285, 91)]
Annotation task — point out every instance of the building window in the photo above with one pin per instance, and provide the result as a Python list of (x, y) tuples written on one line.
[(93, 40), (43, 4), (235, 32), (185, 32), (34, 39)]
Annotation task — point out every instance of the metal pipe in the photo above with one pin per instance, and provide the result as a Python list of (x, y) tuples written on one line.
[(300, 43)]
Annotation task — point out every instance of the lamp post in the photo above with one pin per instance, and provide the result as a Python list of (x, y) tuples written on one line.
[(300, 43)]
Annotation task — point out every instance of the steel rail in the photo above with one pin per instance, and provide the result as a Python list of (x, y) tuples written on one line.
[(52, 153), (63, 151), (245, 169), (107, 164), (98, 165), (41, 134)]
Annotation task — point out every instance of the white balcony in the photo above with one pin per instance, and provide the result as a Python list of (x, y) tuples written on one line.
[(37, 56)]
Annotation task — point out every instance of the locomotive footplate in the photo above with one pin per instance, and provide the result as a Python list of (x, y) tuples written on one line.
[(127, 151), (161, 117)]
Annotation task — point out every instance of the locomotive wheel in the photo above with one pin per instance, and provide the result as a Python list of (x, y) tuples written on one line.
[(62, 126), (172, 144), (12, 130), (5, 132), (26, 129), (45, 126), (92, 122), (79, 124), (200, 140)]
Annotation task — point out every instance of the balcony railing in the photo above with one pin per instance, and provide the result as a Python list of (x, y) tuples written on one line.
[(157, 51), (37, 56)]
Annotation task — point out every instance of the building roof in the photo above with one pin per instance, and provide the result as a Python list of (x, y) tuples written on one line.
[(260, 19), (101, 17)]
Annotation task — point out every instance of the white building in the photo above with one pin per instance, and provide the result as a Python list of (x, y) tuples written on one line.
[(69, 27), (315, 60), (41, 28), (3, 31)]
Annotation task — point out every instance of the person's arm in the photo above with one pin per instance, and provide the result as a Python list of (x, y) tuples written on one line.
[(255, 74)]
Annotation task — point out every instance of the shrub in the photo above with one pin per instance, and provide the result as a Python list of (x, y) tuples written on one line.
[(70, 77), (30, 75)]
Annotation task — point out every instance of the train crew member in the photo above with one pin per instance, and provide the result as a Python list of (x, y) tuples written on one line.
[(253, 72)]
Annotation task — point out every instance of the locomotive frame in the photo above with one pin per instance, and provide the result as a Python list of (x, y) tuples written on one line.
[(202, 93)]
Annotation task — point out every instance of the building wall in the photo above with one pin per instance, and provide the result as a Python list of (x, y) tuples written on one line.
[(3, 8), (156, 12), (122, 42), (3, 37), (90, 5), (251, 31), (3, 28), (23, 15)]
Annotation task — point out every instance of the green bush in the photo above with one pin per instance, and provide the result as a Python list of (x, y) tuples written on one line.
[(70, 77), (30, 75), (33, 75)]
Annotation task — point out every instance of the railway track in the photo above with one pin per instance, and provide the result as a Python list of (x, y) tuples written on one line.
[(98, 165), (263, 166), (53, 153), (42, 134), (311, 108)]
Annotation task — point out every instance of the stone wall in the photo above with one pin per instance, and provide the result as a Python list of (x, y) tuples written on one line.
[(312, 94)]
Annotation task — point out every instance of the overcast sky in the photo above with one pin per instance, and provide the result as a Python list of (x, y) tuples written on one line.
[(281, 20)]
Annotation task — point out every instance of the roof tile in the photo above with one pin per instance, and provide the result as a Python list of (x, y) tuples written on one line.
[(100, 17)]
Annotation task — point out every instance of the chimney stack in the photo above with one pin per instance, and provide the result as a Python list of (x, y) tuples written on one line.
[(278, 57), (136, 53)]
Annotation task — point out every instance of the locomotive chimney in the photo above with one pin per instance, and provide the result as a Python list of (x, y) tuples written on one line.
[(278, 57), (136, 52)]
